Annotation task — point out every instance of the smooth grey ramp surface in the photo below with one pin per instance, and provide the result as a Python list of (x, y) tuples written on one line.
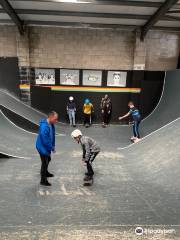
[(154, 167), (167, 110), (14, 141), (19, 120), (14, 104)]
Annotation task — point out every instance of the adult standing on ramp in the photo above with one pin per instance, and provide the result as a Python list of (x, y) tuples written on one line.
[(106, 110), (45, 144)]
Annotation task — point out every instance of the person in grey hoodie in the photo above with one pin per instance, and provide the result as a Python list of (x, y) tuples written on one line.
[(90, 151)]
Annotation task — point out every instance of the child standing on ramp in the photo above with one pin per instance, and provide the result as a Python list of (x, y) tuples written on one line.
[(134, 112), (90, 151)]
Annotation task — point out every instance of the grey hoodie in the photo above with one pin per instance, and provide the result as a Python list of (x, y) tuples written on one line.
[(89, 146)]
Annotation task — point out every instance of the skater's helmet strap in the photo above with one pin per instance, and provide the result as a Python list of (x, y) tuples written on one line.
[(76, 133)]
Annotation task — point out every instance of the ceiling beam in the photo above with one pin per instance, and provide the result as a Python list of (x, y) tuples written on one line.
[(81, 14), (11, 12), (155, 4), (86, 14), (157, 16), (88, 25), (174, 11), (175, 18), (96, 25)]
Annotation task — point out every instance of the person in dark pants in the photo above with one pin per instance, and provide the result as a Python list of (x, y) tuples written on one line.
[(134, 112), (45, 144), (90, 151), (106, 110)]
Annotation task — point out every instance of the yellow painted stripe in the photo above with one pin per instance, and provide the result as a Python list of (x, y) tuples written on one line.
[(92, 89), (95, 89), (24, 87)]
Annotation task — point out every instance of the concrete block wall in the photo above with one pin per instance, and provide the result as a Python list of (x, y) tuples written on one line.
[(81, 48), (57, 47)]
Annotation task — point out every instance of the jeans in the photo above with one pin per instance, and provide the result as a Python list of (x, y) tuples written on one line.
[(71, 114), (89, 163), (136, 129), (44, 167)]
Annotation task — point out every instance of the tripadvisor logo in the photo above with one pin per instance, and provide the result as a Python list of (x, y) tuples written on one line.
[(139, 231)]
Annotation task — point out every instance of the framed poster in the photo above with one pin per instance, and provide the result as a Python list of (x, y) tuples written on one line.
[(45, 76), (92, 78), (69, 77), (116, 79)]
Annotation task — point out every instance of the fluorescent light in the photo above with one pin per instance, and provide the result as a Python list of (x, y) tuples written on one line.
[(72, 1)]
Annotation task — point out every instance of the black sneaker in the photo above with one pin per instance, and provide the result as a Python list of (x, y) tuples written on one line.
[(88, 178), (45, 183), (49, 175)]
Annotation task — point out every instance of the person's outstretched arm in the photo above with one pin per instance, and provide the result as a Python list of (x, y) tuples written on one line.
[(125, 116)]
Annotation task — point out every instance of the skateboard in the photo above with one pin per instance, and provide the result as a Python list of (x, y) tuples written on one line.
[(88, 183)]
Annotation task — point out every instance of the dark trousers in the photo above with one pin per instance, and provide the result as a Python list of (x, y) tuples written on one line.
[(136, 129), (106, 117), (44, 167), (89, 163), (87, 119)]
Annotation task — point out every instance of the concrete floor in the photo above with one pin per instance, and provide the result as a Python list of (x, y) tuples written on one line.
[(131, 188)]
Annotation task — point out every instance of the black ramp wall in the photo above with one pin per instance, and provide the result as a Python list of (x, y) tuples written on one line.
[(150, 82), (168, 108), (9, 75)]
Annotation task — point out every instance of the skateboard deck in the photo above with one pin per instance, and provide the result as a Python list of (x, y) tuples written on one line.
[(88, 183)]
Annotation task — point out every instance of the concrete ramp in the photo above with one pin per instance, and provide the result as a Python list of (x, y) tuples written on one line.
[(154, 167), (15, 105)]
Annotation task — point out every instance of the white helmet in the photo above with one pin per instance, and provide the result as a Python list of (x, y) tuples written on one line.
[(71, 98), (76, 133)]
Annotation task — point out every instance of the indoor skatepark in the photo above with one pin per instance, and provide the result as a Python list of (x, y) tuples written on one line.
[(136, 185)]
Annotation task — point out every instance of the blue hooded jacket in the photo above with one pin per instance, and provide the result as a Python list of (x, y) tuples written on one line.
[(45, 142)]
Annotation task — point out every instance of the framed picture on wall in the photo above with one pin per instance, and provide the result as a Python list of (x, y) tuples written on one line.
[(45, 76), (92, 78), (69, 77), (116, 79)]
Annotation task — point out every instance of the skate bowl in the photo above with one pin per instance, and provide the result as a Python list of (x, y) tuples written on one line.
[(135, 186), (166, 111)]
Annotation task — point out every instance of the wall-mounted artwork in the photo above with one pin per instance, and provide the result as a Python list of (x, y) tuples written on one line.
[(69, 77), (45, 76), (92, 78), (116, 79)]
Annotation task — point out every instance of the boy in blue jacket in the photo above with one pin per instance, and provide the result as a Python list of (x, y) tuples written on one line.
[(136, 116), (45, 144)]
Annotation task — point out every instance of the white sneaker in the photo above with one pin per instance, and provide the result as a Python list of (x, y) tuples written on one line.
[(137, 140), (133, 138)]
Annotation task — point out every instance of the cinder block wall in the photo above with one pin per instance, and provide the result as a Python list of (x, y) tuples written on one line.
[(81, 48), (89, 48)]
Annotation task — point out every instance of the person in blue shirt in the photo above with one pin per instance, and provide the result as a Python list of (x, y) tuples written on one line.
[(136, 116), (45, 144)]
